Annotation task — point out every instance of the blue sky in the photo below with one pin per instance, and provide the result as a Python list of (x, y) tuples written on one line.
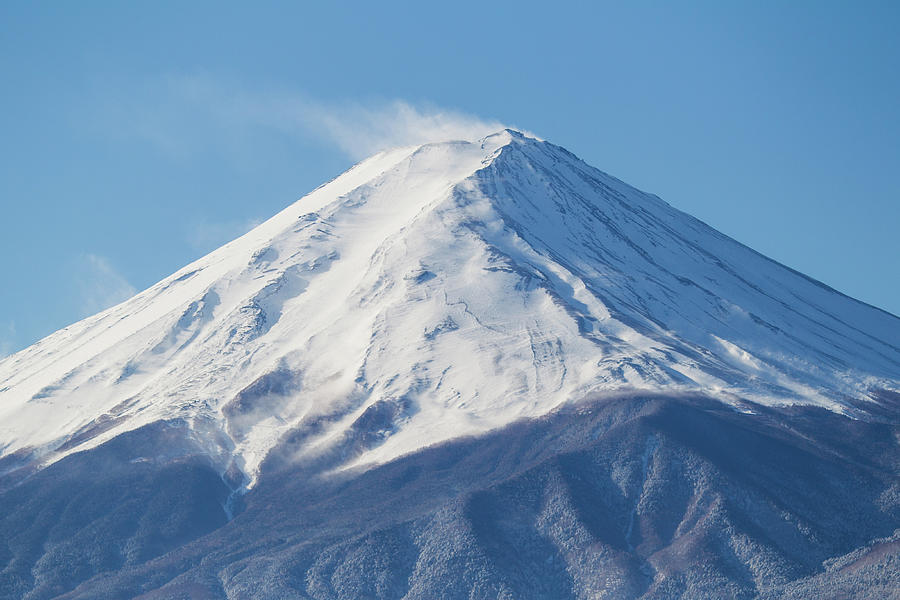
[(135, 137)]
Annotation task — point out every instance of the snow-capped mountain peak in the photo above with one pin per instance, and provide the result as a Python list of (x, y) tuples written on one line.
[(437, 291)]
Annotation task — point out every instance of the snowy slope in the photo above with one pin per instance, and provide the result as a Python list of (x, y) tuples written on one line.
[(439, 291)]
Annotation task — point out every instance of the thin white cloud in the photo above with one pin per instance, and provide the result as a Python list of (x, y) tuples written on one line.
[(99, 285), (363, 130), (182, 114), (7, 338), (209, 235)]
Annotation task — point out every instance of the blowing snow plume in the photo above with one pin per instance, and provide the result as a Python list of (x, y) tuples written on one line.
[(360, 131), (180, 114)]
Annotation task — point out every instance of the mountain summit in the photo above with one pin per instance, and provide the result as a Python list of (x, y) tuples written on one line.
[(445, 290), (428, 295)]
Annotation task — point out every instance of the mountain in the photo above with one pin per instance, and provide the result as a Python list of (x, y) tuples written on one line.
[(463, 369)]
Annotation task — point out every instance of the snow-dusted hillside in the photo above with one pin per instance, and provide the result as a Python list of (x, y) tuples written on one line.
[(438, 291)]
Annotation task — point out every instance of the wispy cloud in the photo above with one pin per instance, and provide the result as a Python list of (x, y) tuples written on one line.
[(182, 114), (209, 235), (7, 338), (99, 285), (362, 130)]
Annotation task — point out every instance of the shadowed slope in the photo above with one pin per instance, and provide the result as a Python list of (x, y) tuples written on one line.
[(640, 497)]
